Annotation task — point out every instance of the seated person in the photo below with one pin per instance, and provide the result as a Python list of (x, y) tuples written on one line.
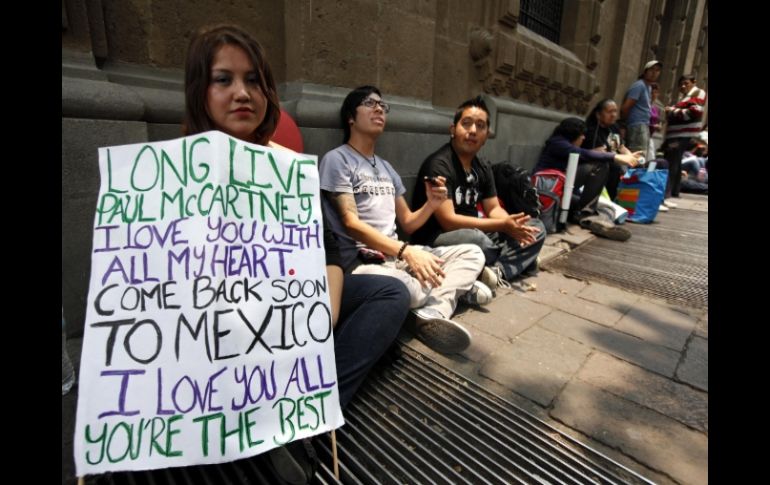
[(511, 242), (695, 177), (592, 170), (363, 198), (603, 134)]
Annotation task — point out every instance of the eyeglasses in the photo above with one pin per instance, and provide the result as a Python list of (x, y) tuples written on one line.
[(372, 103), (466, 123)]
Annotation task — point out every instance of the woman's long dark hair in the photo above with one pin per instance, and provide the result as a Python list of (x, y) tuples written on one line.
[(197, 77), (599, 107), (570, 128)]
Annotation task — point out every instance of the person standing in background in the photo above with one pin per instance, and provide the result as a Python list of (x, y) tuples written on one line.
[(656, 123), (685, 120), (635, 109)]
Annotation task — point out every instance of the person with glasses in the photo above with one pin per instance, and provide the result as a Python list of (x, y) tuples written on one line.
[(511, 242), (363, 199)]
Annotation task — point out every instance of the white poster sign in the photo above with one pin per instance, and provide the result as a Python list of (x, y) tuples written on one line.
[(208, 333)]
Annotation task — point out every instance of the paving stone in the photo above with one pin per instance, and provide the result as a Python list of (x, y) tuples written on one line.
[(576, 229), (702, 329), (573, 305), (505, 317), (547, 253), (697, 313), (677, 401), (701, 203), (547, 281), (536, 365), (650, 356), (651, 438), (694, 369), (482, 345), (576, 235), (658, 324), (552, 239), (609, 296)]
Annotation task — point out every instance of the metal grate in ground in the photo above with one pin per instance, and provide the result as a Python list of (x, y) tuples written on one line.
[(419, 422), (415, 421), (667, 259)]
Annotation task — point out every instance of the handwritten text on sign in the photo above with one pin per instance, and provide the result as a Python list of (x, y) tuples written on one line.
[(208, 332)]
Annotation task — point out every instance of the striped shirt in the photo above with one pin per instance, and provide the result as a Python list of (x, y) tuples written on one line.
[(686, 119)]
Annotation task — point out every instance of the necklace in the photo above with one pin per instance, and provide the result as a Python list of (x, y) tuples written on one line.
[(372, 162), (470, 175)]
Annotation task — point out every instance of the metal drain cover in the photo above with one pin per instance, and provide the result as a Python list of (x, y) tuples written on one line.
[(667, 259)]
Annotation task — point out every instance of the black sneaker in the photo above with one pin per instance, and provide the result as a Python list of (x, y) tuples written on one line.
[(285, 467), (294, 463)]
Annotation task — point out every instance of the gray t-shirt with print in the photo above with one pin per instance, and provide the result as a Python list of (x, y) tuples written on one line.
[(375, 189)]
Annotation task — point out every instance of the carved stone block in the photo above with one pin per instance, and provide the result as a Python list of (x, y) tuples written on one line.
[(509, 12), (545, 68), (516, 87), (480, 44), (531, 91), (526, 61), (592, 59), (505, 53), (483, 69)]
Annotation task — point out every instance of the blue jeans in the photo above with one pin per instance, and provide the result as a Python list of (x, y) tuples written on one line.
[(499, 249), (371, 314)]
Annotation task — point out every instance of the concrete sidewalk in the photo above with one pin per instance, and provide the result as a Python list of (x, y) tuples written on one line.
[(624, 373)]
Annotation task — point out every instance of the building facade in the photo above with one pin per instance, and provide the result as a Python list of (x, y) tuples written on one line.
[(537, 61)]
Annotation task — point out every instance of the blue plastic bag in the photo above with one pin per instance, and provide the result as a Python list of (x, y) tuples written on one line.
[(641, 192)]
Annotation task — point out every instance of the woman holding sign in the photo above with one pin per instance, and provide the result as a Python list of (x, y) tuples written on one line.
[(229, 87)]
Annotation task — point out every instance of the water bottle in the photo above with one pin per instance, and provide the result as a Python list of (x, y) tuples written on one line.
[(67, 372)]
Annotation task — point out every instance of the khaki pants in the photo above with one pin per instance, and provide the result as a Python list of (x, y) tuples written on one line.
[(462, 265)]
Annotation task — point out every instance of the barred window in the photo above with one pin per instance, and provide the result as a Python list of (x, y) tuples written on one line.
[(542, 17)]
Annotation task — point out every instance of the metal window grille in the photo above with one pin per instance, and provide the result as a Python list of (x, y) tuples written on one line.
[(542, 17)]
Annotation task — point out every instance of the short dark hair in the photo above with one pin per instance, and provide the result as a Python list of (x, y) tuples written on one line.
[(687, 77), (477, 102), (570, 128), (599, 107), (197, 77), (352, 101)]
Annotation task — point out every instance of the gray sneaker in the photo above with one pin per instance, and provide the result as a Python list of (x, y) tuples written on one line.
[(609, 230), (479, 294), (492, 277), (440, 334)]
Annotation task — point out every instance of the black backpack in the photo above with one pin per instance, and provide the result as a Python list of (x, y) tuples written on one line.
[(515, 190)]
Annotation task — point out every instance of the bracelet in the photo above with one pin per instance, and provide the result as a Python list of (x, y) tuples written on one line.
[(401, 251)]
